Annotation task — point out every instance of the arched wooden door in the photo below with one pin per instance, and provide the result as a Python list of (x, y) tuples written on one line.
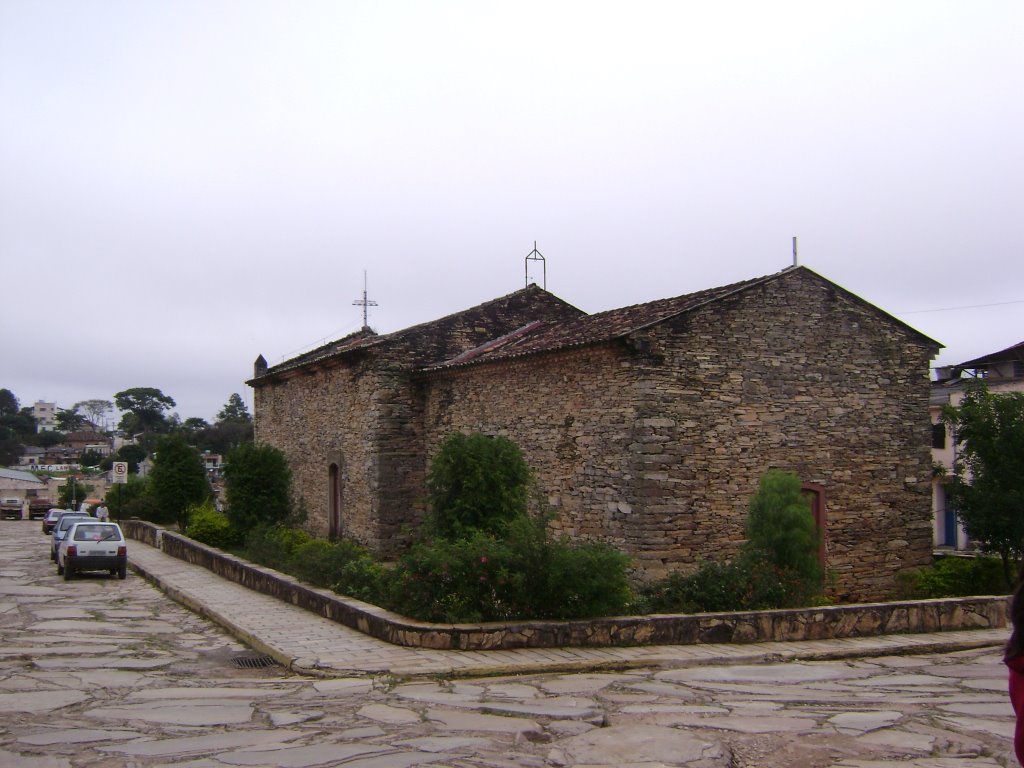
[(334, 528), (815, 494)]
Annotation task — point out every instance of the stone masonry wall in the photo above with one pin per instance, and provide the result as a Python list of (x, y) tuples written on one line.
[(316, 418), (361, 410), (657, 445)]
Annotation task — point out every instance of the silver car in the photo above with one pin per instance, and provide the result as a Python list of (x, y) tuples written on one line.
[(91, 545), (60, 529)]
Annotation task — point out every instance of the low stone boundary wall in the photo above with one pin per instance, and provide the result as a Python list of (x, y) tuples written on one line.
[(820, 623), (142, 531)]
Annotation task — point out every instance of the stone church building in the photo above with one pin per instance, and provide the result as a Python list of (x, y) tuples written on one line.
[(648, 427)]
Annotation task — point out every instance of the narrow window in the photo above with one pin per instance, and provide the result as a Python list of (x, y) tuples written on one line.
[(939, 435)]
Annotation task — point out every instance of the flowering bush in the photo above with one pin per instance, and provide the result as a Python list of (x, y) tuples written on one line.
[(523, 574)]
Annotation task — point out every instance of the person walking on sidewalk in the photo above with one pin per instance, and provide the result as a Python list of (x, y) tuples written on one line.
[(1014, 658)]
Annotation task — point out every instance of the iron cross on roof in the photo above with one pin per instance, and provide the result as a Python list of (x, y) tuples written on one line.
[(365, 303)]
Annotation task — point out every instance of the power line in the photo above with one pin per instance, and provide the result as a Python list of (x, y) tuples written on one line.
[(971, 306)]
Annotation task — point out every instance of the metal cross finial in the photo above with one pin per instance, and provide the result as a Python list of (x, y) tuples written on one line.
[(364, 303), (536, 255)]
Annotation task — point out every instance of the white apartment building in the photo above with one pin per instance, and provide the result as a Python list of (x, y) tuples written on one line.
[(1002, 371), (45, 415)]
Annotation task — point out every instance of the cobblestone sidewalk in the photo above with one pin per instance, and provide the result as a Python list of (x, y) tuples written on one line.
[(311, 644)]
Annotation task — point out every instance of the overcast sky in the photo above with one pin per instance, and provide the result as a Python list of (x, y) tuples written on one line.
[(185, 185)]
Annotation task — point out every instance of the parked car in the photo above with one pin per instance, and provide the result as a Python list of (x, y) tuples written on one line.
[(51, 519), (64, 523), (93, 546)]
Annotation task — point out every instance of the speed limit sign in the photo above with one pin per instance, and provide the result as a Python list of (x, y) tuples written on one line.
[(120, 471)]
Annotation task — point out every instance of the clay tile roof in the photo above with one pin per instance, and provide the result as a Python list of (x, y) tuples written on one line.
[(86, 435), (592, 329), (364, 337), (367, 338), (1016, 352)]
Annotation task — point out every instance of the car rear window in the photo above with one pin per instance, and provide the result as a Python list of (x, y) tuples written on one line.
[(66, 522), (96, 532)]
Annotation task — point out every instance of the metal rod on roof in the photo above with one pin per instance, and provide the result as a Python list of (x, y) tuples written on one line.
[(535, 255)]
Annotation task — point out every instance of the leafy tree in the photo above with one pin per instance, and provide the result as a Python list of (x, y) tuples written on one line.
[(145, 409), (11, 448), (234, 410), (90, 458), (21, 422), (781, 530), (9, 404), (477, 483), (71, 494), (70, 420), (133, 499), (987, 485), (233, 427), (192, 429), (132, 453), (17, 426), (95, 410), (257, 486), (178, 479), (49, 438)]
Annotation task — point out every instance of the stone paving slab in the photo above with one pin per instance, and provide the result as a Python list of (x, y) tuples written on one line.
[(310, 644)]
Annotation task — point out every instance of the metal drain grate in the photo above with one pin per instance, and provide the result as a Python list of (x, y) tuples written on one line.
[(253, 662)]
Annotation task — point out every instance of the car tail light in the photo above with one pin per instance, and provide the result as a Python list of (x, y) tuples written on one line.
[(122, 551), (72, 550)]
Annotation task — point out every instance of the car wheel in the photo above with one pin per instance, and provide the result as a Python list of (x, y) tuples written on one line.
[(60, 569), (122, 572), (53, 556), (67, 573)]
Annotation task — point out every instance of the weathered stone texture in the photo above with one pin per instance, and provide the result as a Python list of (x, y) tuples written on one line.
[(652, 440), (657, 444), (359, 408)]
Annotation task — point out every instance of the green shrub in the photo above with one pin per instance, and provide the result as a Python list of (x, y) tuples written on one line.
[(342, 566), (525, 574), (362, 578), (272, 545), (209, 526), (954, 577), (322, 563), (782, 534), (476, 482), (748, 583)]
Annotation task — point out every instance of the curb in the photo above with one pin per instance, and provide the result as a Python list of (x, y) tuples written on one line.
[(864, 647)]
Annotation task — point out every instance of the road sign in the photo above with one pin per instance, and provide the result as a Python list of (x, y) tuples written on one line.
[(120, 471)]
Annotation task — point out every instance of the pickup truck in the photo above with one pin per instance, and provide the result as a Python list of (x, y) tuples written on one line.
[(37, 508), (10, 508)]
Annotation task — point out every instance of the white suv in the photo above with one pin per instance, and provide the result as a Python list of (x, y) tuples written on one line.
[(91, 545)]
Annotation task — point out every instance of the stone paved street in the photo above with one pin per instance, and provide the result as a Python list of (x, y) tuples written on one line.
[(102, 672)]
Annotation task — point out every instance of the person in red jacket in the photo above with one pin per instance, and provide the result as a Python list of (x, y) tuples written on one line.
[(1014, 659)]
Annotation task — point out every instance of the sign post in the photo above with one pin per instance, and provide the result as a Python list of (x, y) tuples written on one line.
[(120, 473)]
